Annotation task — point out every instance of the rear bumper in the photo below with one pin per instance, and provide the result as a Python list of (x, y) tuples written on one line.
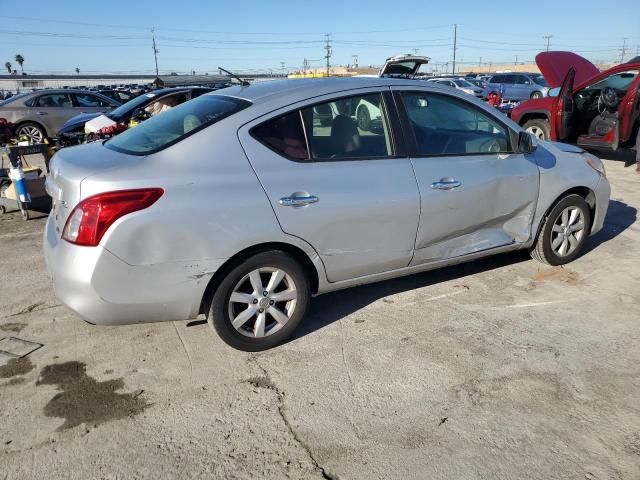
[(102, 289), (602, 193)]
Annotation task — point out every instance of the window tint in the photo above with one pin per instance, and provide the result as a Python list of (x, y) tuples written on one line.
[(53, 100), (285, 135), (354, 127), (445, 125), (619, 81), (522, 80), (176, 124), (88, 100), (497, 79), (509, 79)]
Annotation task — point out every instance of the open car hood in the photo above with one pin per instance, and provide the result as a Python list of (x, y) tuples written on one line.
[(555, 65), (403, 65)]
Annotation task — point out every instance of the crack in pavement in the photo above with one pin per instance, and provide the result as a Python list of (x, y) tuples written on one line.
[(268, 384)]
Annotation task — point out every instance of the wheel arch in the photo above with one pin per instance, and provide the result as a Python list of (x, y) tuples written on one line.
[(535, 115), (296, 252), (586, 193)]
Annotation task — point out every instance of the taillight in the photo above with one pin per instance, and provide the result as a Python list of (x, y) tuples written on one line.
[(93, 216)]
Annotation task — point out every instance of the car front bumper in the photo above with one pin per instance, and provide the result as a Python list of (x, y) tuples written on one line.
[(102, 289), (602, 193)]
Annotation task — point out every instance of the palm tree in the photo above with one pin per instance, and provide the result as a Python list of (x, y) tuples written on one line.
[(77, 71), (7, 65), (20, 61)]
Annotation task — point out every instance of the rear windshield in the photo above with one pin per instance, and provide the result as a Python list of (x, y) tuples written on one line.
[(176, 124)]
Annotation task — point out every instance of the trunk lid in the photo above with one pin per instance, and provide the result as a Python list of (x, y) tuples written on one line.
[(69, 167), (403, 65), (555, 66)]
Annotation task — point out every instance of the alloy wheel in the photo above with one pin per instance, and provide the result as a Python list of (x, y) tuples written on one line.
[(262, 302), (33, 133), (567, 231), (536, 131)]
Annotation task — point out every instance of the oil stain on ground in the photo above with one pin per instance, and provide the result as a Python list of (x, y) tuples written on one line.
[(85, 400), (15, 367), (557, 273), (12, 327)]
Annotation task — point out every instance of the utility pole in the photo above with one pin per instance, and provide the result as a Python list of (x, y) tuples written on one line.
[(327, 47), (516, 62), (282, 68), (623, 50), (415, 51), (155, 50), (480, 63), (455, 46), (305, 65), (548, 39), (355, 61)]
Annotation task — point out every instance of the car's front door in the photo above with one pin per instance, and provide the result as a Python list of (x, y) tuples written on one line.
[(350, 193), (476, 192), (563, 108)]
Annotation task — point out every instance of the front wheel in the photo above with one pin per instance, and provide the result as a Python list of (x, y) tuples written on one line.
[(535, 95), (260, 302), (364, 118), (539, 128), (564, 232)]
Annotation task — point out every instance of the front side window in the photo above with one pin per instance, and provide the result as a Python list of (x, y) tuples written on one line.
[(176, 124), (53, 100), (446, 125), (351, 128)]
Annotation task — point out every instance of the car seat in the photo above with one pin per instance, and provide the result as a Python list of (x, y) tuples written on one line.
[(345, 138)]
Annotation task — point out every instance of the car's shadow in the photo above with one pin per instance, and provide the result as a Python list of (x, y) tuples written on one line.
[(329, 308), (625, 155), (620, 216)]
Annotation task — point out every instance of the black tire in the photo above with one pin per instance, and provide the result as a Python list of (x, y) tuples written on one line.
[(542, 250), (540, 127), (23, 128), (535, 95), (364, 118), (220, 320)]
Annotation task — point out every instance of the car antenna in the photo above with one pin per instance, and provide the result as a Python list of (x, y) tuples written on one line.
[(244, 83)]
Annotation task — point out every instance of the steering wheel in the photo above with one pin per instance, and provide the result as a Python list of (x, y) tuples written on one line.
[(609, 98)]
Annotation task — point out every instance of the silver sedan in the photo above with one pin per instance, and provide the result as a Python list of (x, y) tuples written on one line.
[(244, 203)]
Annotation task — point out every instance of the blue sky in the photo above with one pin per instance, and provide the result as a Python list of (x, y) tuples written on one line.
[(114, 36)]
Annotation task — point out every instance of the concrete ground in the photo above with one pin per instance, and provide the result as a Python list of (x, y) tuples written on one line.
[(502, 368)]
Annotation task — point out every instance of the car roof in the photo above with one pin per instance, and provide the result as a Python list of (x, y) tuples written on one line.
[(301, 89)]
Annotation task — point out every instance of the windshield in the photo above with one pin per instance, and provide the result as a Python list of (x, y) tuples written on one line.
[(539, 79), (462, 83), (15, 97), (176, 124), (120, 113)]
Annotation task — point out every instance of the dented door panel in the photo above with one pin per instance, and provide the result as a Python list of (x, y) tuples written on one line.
[(493, 206)]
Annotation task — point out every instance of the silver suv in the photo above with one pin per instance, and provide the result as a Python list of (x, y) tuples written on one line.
[(518, 86), (244, 203)]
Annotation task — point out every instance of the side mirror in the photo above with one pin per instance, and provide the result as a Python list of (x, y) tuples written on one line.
[(527, 143), (553, 92)]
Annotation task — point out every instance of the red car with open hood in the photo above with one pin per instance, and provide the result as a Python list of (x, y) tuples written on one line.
[(594, 109)]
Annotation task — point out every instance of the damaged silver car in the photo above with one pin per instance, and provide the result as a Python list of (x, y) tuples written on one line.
[(244, 203)]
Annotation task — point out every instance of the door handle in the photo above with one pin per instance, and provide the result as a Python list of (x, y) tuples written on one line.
[(298, 200), (41, 113), (446, 184)]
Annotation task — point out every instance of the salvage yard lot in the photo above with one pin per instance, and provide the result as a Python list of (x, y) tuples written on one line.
[(502, 368)]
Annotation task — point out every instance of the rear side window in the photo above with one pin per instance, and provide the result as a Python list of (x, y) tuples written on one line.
[(53, 100), (342, 129), (179, 122), (285, 135), (88, 100), (497, 79)]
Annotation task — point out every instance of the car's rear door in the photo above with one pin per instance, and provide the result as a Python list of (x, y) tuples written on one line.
[(476, 192), (51, 110), (349, 193)]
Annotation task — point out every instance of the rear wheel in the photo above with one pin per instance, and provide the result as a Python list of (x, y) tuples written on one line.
[(260, 302), (564, 232), (538, 127), (34, 132)]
